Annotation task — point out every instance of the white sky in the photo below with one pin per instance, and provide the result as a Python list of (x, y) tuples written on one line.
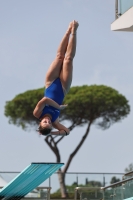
[(30, 32)]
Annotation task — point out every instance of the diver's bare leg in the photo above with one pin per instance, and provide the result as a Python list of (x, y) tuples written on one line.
[(55, 68), (67, 69)]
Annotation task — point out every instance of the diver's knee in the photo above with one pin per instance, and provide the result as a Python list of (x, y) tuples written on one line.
[(68, 59), (60, 56)]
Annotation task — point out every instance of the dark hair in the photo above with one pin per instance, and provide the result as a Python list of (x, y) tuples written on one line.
[(43, 130)]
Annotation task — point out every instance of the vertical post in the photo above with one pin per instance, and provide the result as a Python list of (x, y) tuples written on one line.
[(95, 193), (103, 180), (122, 191), (48, 194), (49, 182), (103, 193), (116, 9), (77, 181), (75, 196), (81, 195)]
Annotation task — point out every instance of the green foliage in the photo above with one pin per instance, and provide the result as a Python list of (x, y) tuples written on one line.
[(20, 109), (129, 168), (71, 189), (89, 103), (58, 195), (91, 184), (96, 103), (114, 180)]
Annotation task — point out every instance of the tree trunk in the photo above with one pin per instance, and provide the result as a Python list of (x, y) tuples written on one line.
[(77, 148), (61, 177), (61, 174)]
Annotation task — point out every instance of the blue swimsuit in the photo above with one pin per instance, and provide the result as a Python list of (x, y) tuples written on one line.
[(54, 92)]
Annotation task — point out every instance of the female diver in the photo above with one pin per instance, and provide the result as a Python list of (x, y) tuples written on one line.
[(57, 83)]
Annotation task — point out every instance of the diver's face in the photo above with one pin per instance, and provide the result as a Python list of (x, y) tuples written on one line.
[(46, 122)]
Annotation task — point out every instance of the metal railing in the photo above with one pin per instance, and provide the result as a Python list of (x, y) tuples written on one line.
[(72, 180), (88, 193), (127, 175), (119, 191)]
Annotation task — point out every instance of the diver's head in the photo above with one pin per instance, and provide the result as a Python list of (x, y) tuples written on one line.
[(45, 126)]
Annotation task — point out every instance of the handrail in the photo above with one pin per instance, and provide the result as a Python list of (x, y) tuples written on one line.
[(118, 183), (87, 188), (128, 173)]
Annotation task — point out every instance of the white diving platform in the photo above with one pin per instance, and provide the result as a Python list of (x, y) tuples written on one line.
[(124, 22)]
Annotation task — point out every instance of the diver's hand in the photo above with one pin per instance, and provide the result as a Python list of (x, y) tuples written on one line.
[(63, 107)]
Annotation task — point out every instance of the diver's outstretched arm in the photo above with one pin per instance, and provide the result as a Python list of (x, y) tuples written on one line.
[(60, 133)]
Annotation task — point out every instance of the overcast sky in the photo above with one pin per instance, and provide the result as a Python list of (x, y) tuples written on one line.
[(30, 32)]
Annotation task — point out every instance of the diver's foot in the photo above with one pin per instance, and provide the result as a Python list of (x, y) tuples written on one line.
[(69, 28), (75, 25)]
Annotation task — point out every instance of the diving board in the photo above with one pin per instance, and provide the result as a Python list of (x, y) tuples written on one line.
[(31, 177)]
